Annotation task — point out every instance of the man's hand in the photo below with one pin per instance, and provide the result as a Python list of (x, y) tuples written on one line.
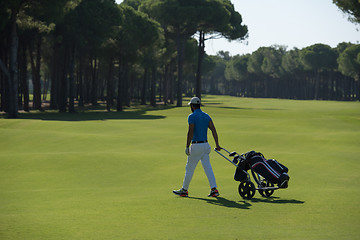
[(187, 151)]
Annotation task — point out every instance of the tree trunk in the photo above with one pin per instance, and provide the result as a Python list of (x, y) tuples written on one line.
[(71, 80), (4, 75), (120, 97), (23, 76), (143, 89), (87, 81), (180, 45), (160, 87), (45, 86), (36, 73), (126, 86), (165, 85), (109, 87), (94, 82), (54, 93), (201, 52), (317, 84), (134, 90), (12, 84), (63, 83), (152, 87), (172, 81), (331, 87), (80, 87)]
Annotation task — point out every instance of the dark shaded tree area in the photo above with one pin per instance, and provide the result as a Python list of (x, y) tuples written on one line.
[(315, 72), (71, 53), (67, 54)]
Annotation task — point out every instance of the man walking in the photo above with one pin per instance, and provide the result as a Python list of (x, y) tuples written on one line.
[(199, 149)]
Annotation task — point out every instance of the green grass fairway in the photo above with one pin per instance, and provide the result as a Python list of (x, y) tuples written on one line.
[(99, 175)]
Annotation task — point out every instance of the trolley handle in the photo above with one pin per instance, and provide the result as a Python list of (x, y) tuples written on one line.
[(222, 149), (242, 156), (225, 156)]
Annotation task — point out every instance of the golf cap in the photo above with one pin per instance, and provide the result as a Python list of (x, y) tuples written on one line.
[(194, 100)]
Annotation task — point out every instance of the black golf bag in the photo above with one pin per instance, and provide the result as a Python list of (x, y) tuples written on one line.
[(270, 169)]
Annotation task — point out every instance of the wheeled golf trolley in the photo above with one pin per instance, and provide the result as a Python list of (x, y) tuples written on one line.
[(274, 172)]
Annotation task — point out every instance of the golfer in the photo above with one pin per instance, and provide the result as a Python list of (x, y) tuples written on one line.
[(199, 122)]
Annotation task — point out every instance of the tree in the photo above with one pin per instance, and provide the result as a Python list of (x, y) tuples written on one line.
[(11, 72), (272, 61), (236, 71), (217, 18), (349, 64), (136, 44), (318, 58), (38, 10), (81, 36), (254, 67), (293, 71), (178, 18), (350, 7), (208, 67), (135, 4), (215, 78)]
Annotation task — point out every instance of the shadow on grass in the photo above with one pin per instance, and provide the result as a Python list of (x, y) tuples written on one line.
[(89, 116), (223, 202), (276, 200), (94, 113), (245, 204), (254, 109)]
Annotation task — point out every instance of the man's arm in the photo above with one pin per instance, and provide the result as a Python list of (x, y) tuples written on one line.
[(190, 134), (214, 133)]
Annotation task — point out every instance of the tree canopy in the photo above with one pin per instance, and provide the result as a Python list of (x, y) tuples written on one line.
[(350, 7), (68, 54)]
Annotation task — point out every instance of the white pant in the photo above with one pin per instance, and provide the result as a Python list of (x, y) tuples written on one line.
[(199, 151)]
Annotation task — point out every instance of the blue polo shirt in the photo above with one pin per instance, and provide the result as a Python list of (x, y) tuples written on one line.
[(201, 121)]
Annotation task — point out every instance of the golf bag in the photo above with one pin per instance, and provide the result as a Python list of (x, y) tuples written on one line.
[(270, 169)]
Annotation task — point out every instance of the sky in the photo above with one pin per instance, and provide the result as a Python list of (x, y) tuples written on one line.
[(291, 23)]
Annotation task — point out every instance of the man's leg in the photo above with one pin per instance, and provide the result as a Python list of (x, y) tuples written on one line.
[(191, 164), (205, 160)]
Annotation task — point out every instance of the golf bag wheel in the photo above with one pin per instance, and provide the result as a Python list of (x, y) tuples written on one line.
[(247, 189), (266, 193)]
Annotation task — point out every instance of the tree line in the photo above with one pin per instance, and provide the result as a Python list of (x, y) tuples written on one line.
[(79, 52), (71, 53), (315, 72)]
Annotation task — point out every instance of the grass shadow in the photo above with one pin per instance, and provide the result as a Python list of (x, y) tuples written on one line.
[(254, 109), (276, 200), (89, 116), (245, 204), (223, 202), (94, 113)]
